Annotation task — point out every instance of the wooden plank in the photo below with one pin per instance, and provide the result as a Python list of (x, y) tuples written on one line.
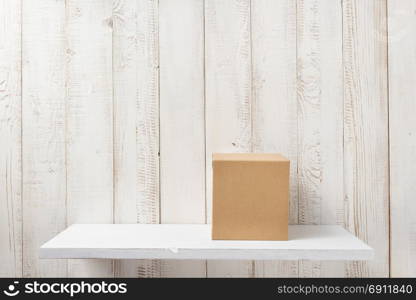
[(331, 126), (228, 97), (136, 122), (193, 241), (43, 151), (366, 131), (10, 137), (89, 122), (402, 77), (273, 26), (320, 121), (182, 122)]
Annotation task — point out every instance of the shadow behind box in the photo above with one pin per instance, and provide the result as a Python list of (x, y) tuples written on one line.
[(250, 196)]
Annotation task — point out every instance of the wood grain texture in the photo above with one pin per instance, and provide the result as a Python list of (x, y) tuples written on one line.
[(136, 122), (182, 121), (228, 97), (10, 139), (273, 30), (89, 121), (43, 112), (320, 121), (402, 77), (366, 131)]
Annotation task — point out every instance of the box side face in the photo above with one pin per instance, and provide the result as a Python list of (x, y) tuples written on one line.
[(250, 200)]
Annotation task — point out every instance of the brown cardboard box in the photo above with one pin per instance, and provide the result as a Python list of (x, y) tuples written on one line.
[(250, 196)]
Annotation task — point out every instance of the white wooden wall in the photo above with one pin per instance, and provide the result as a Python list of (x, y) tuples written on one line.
[(110, 110)]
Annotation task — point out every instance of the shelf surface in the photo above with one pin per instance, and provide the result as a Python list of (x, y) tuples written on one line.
[(191, 241)]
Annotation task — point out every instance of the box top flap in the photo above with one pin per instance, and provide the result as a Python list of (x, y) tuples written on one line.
[(248, 157)]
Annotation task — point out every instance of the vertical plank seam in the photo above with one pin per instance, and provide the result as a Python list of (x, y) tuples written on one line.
[(158, 111), (205, 127), (157, 18), (297, 121), (21, 133), (388, 134), (205, 110), (343, 118), (251, 102), (135, 122), (66, 121), (113, 125), (205, 120)]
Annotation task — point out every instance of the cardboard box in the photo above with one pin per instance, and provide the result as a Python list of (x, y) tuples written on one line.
[(250, 196)]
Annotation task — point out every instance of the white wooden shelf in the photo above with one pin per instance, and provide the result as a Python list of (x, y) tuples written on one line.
[(191, 241)]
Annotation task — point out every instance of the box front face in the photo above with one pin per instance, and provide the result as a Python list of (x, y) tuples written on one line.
[(250, 200)]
